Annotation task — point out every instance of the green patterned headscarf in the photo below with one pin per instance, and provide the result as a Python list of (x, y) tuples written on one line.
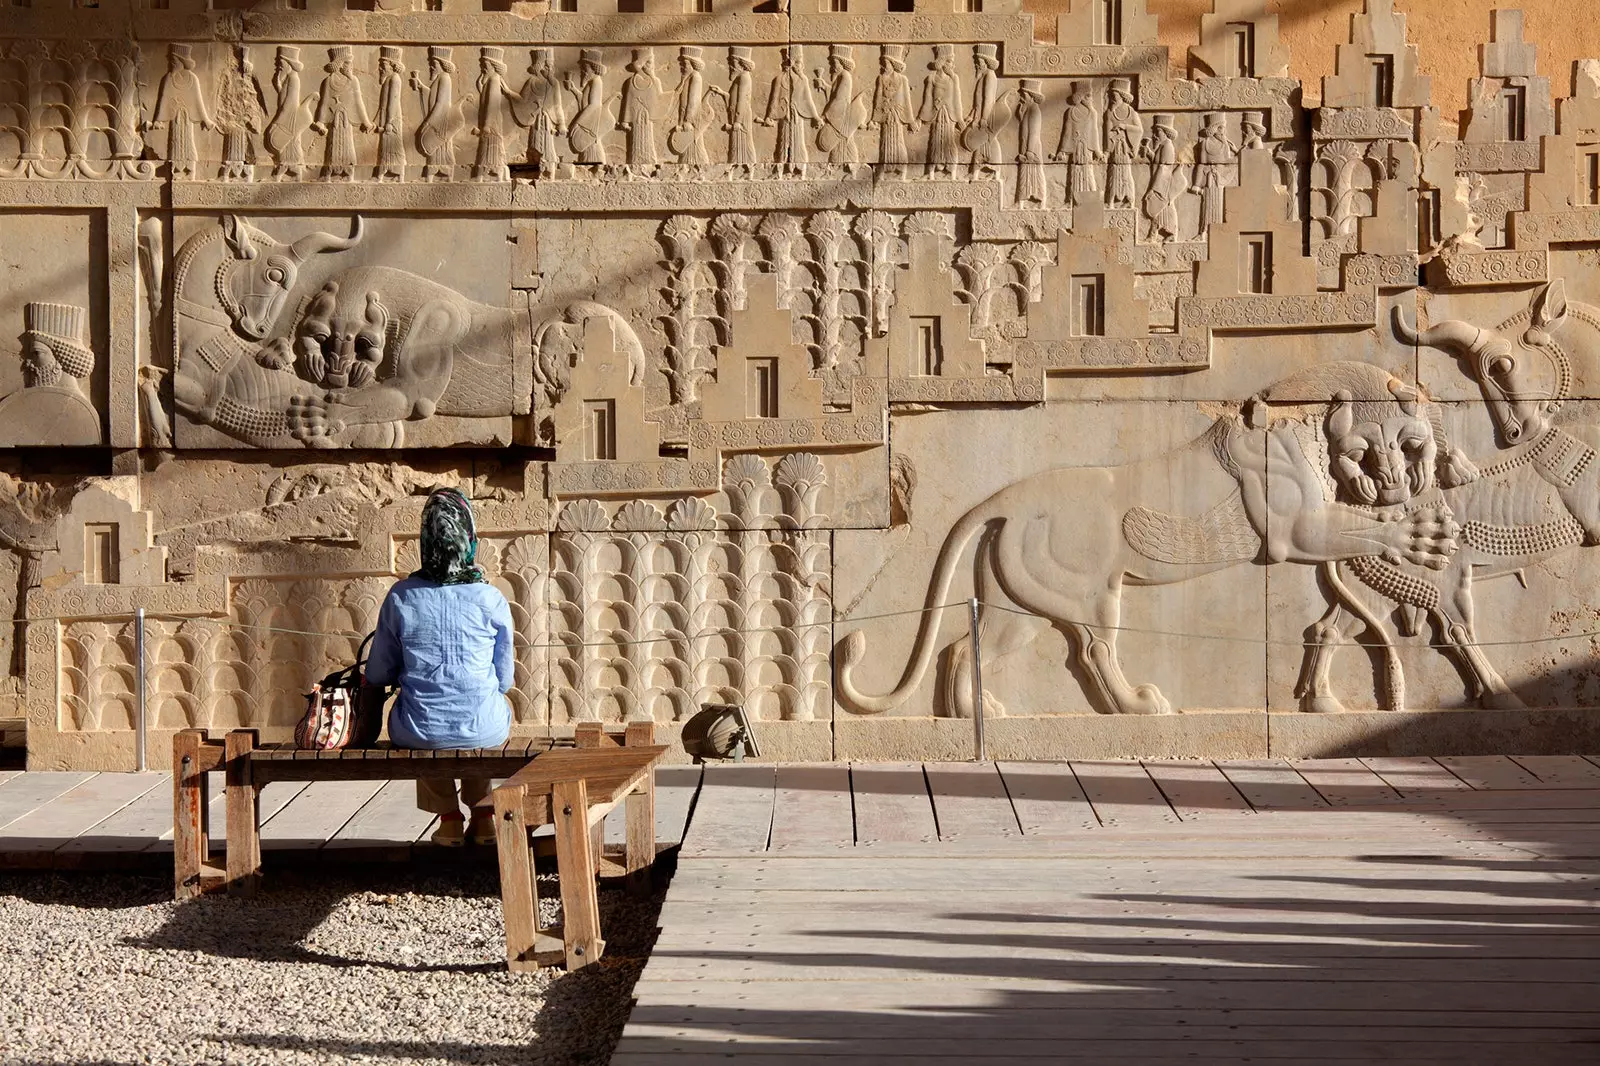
[(449, 540)]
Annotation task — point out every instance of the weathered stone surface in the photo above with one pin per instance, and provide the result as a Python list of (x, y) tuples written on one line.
[(754, 333)]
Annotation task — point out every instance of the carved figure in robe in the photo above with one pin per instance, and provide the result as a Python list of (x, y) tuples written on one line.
[(1080, 143), (941, 111), (587, 134), (1032, 188), (241, 113), (793, 110), (1215, 159), (283, 132), (1166, 179), (1124, 134), (981, 130), (1057, 548), (1253, 129), (844, 112), (52, 407), (641, 93), (891, 109), (496, 102), (390, 120), (741, 124), (340, 112), (180, 107), (687, 138), (436, 132), (541, 106)]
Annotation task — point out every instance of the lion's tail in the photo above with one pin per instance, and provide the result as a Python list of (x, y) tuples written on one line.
[(854, 646)]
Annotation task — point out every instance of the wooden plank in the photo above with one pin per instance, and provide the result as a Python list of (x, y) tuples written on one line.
[(1271, 784), (734, 811), (134, 828), (1048, 800), (1411, 776), (1561, 771), (1027, 1020), (1345, 782), (982, 993), (999, 1048), (1123, 794), (6, 775), (189, 797), (1197, 790), (892, 804), (970, 802), (519, 898), (1488, 771), (51, 825), (243, 808), (812, 811), (316, 814), (676, 789), (27, 792), (580, 909), (389, 823)]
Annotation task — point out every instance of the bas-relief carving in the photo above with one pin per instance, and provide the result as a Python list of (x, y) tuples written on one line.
[(733, 247)]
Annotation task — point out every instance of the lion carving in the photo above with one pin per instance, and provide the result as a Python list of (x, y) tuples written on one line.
[(1328, 464)]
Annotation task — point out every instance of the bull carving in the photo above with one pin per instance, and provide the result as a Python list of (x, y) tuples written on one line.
[(369, 352)]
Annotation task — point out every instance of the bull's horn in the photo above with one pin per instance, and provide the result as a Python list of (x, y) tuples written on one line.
[(1452, 333), (312, 243)]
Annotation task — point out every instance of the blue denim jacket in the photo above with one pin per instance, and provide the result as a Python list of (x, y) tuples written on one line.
[(449, 649)]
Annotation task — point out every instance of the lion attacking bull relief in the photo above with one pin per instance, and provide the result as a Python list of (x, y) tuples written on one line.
[(367, 355), (1357, 477)]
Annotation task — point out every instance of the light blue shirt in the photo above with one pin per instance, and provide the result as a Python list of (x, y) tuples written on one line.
[(449, 649)]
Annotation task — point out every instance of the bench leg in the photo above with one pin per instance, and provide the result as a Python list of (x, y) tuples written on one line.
[(244, 813), (519, 898), (190, 795), (641, 818), (580, 904)]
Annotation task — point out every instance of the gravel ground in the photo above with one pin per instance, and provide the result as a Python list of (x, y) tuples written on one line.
[(390, 965)]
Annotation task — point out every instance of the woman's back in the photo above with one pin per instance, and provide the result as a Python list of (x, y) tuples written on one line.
[(449, 648)]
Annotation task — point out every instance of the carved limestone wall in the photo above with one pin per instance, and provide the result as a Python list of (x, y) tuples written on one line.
[(761, 335)]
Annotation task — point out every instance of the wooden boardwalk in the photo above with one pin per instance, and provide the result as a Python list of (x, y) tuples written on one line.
[(1331, 911), (124, 821)]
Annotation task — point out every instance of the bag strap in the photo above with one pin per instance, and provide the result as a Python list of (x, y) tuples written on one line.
[(361, 652)]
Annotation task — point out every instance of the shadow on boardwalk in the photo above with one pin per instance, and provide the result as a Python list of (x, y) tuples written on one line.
[(1397, 912)]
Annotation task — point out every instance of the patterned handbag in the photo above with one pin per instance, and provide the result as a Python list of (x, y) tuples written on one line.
[(342, 710)]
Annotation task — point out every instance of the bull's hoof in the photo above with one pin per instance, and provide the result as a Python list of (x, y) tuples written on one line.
[(1147, 699), (1321, 705), (1501, 701)]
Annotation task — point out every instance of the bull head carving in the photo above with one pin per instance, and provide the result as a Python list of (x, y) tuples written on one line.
[(262, 274), (1523, 380)]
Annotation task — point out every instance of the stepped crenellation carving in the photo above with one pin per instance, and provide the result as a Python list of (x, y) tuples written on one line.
[(693, 295)]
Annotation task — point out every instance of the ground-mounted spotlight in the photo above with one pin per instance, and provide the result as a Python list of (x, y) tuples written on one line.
[(720, 731)]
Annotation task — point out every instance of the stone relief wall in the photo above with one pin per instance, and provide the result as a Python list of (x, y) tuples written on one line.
[(754, 332)]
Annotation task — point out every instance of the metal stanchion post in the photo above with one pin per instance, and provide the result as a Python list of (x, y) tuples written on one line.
[(979, 752), (139, 716)]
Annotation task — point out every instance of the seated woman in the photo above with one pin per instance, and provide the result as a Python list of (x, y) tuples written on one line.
[(444, 636)]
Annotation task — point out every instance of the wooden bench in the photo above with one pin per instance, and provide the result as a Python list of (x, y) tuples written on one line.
[(592, 779), (573, 794)]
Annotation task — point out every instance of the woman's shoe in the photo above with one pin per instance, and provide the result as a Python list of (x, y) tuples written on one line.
[(450, 834), (481, 830)]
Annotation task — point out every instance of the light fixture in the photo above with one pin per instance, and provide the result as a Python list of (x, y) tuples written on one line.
[(720, 731)]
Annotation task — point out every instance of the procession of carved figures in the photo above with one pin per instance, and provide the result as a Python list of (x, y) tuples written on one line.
[(740, 344), (75, 109)]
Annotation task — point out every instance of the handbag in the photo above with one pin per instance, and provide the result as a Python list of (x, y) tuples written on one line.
[(342, 710)]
